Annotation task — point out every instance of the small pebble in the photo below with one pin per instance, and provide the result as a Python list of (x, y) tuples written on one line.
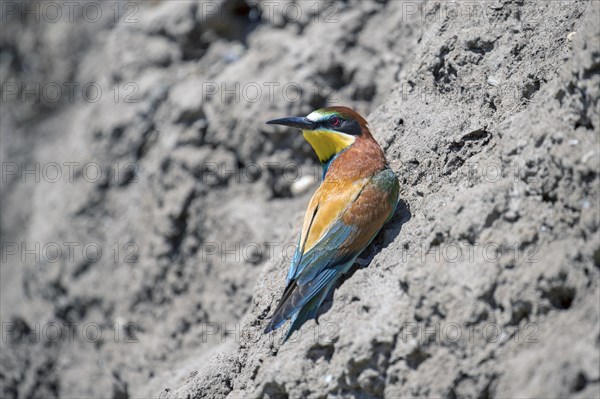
[(511, 216), (585, 204), (492, 81), (587, 156), (573, 142), (302, 185)]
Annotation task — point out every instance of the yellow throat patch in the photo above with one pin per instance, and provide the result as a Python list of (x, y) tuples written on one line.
[(327, 143)]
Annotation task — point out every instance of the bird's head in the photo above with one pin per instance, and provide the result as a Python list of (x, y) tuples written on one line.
[(329, 130)]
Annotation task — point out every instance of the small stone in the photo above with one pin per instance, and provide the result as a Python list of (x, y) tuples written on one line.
[(587, 156), (585, 204), (492, 81), (302, 185), (511, 216)]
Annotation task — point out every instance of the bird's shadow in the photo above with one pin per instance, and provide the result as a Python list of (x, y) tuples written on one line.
[(384, 238)]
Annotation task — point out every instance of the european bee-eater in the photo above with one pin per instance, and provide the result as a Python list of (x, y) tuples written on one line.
[(358, 194)]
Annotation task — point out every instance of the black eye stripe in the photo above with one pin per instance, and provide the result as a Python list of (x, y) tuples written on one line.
[(328, 122), (348, 126)]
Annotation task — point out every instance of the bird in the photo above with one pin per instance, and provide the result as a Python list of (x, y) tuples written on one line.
[(357, 195)]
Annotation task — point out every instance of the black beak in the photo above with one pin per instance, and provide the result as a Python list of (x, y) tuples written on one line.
[(299, 122)]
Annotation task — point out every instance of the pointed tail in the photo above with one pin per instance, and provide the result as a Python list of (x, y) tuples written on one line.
[(308, 311), (296, 297)]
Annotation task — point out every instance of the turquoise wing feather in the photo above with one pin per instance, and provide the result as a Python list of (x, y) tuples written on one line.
[(294, 265)]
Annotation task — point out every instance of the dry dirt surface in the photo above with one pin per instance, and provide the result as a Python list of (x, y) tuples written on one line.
[(149, 214)]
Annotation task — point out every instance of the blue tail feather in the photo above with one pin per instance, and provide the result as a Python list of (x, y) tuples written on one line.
[(308, 311)]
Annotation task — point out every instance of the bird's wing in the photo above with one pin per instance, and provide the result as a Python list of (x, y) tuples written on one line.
[(325, 208), (341, 221), (355, 228), (295, 261)]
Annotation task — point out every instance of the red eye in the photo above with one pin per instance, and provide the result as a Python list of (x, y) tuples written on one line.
[(335, 121)]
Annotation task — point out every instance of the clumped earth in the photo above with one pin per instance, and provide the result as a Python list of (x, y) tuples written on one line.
[(484, 284)]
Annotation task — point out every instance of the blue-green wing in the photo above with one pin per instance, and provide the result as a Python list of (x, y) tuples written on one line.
[(336, 251)]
